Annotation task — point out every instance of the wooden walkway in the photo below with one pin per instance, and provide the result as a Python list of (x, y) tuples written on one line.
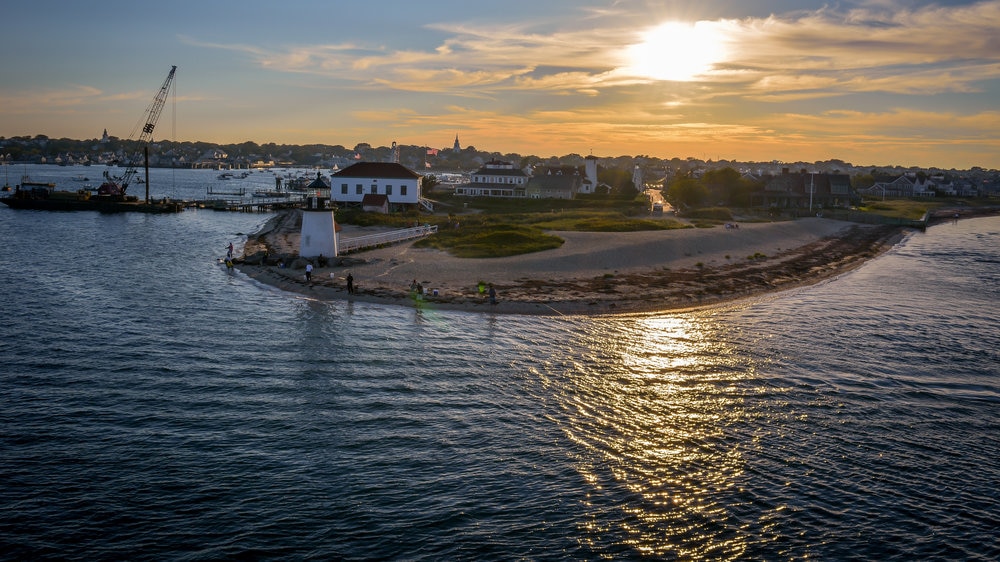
[(347, 245)]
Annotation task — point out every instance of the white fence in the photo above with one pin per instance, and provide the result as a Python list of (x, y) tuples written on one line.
[(347, 245)]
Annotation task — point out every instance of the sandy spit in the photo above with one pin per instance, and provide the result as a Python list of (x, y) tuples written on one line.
[(592, 273)]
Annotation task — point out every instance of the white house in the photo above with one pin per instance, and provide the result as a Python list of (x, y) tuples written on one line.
[(906, 185), (496, 179), (399, 184)]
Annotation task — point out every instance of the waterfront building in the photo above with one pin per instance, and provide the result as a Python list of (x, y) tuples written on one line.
[(399, 184), (903, 185), (806, 190), (496, 178)]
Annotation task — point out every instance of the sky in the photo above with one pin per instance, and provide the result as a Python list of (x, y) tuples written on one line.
[(875, 82)]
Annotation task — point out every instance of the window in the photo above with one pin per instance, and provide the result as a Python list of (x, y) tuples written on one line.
[(359, 189), (402, 190), (343, 188), (374, 189), (388, 190)]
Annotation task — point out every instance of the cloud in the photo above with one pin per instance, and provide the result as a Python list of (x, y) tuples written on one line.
[(821, 80), (875, 48), (72, 98), (930, 49)]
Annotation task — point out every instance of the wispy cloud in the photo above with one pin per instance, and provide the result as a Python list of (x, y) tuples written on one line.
[(830, 80), (72, 99), (930, 49)]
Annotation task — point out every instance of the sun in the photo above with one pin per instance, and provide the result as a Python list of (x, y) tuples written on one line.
[(678, 51)]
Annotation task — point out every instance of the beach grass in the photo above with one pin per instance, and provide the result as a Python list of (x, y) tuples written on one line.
[(900, 208), (490, 241), (599, 221)]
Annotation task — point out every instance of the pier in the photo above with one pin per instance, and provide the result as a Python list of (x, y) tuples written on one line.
[(244, 206)]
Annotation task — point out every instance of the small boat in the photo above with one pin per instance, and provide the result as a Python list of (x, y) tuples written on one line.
[(80, 178)]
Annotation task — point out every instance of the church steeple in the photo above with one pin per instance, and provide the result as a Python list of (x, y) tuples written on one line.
[(457, 146)]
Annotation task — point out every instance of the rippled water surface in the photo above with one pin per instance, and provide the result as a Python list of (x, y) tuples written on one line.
[(156, 406)]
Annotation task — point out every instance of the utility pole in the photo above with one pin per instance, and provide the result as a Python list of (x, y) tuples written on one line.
[(811, 176)]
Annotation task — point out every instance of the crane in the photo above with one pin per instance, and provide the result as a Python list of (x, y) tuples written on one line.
[(116, 186)]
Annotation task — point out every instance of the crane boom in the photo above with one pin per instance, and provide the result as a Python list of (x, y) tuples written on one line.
[(119, 185)]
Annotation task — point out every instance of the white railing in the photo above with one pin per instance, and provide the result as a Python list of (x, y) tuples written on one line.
[(345, 245)]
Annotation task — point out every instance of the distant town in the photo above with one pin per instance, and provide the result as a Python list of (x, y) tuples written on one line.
[(444, 162)]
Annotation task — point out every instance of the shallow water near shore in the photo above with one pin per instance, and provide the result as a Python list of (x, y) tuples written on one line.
[(158, 406)]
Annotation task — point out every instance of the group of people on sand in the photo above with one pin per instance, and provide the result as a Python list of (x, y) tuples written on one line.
[(350, 278), (489, 291), (416, 288), (417, 291)]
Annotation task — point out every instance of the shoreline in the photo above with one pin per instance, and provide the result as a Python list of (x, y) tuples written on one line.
[(591, 274)]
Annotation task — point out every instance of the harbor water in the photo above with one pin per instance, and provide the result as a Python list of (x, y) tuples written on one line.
[(157, 406)]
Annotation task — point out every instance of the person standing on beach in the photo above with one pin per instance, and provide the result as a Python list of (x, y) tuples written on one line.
[(493, 294), (309, 272), (229, 252), (350, 284)]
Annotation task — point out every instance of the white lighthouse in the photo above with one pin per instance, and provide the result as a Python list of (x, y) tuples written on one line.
[(319, 231), (590, 173)]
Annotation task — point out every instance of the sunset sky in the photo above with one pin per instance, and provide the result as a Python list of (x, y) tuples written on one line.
[(874, 82)]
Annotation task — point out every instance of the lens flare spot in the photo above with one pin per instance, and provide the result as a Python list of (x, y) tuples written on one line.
[(678, 51)]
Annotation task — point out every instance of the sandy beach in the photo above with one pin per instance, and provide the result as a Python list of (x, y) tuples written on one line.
[(592, 273)]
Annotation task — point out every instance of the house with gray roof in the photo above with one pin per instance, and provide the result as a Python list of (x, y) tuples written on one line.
[(399, 184), (496, 178), (555, 182), (806, 190)]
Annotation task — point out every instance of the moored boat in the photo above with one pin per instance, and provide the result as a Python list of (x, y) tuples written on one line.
[(111, 195), (47, 199)]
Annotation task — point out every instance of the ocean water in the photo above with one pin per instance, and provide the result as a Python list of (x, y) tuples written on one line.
[(157, 406)]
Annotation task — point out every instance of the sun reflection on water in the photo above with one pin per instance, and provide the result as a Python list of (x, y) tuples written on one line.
[(652, 405)]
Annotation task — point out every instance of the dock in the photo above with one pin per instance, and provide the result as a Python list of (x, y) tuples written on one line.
[(244, 206)]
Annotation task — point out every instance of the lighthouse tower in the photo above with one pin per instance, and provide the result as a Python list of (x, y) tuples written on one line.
[(590, 171), (319, 232)]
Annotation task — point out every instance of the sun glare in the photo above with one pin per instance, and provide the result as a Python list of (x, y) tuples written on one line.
[(677, 51)]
